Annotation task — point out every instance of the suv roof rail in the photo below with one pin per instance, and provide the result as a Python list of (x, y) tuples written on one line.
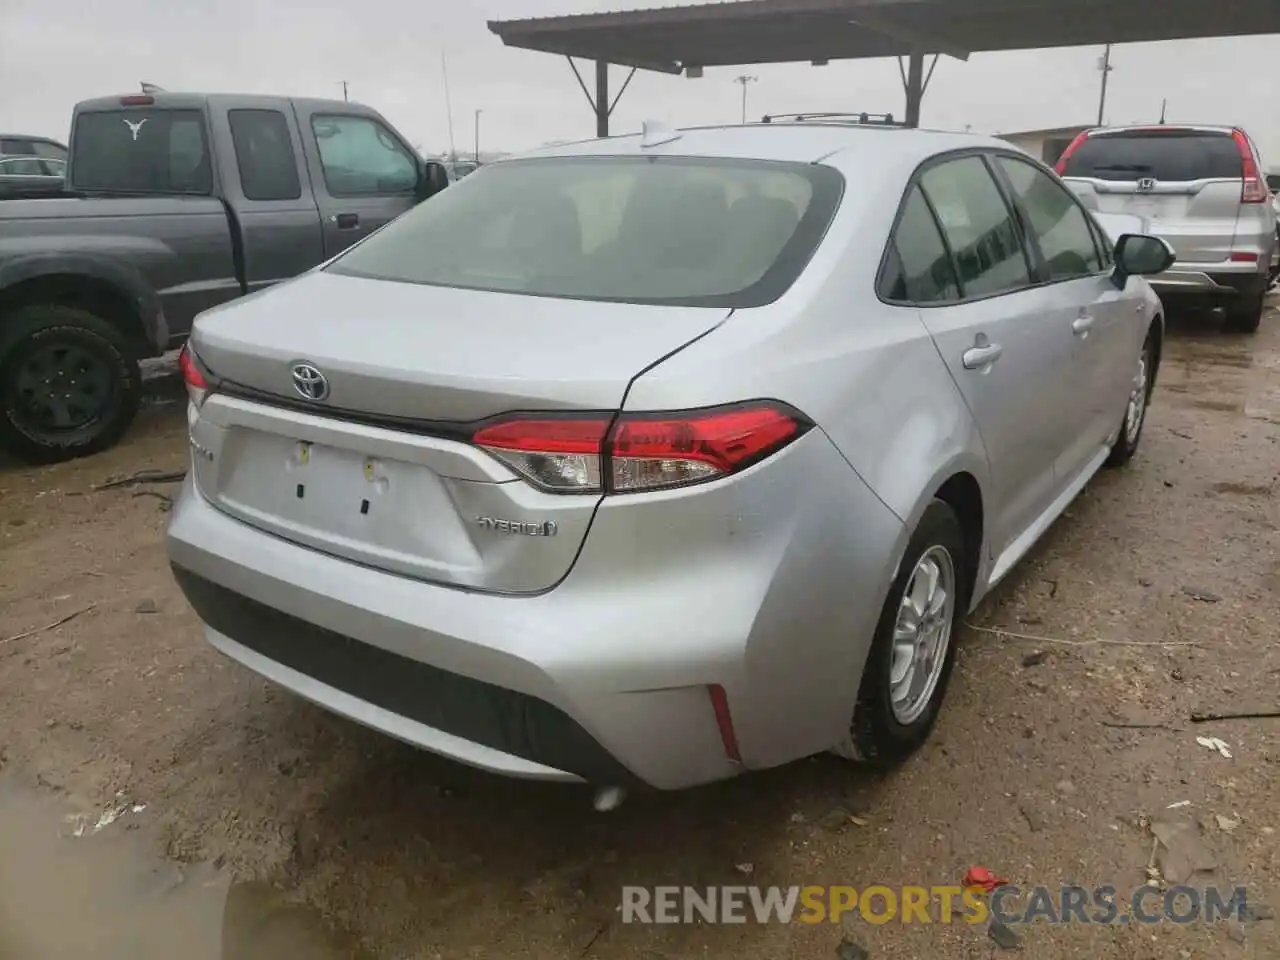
[(869, 119)]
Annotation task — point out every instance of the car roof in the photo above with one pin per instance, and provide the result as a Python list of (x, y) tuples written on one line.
[(166, 100), (1142, 127), (32, 137), (783, 141)]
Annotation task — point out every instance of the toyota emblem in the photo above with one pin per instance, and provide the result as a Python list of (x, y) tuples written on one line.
[(310, 383)]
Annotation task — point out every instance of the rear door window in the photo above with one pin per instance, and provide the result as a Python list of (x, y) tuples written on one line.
[(979, 227), (1167, 155), (918, 269), (142, 151), (264, 155), (16, 148)]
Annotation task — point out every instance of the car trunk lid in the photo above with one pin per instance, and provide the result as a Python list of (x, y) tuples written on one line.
[(380, 470)]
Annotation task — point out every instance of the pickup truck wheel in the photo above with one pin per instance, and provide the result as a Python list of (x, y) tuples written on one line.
[(69, 383)]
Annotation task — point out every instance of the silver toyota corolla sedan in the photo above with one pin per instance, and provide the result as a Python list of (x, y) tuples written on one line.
[(656, 459)]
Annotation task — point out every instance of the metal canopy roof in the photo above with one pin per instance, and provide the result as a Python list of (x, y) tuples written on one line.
[(673, 39), (686, 39)]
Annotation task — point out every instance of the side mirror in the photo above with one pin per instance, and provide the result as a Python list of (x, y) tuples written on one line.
[(432, 179), (1140, 255)]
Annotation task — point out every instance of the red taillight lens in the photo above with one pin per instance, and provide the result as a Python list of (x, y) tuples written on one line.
[(1061, 166), (1255, 188), (557, 454), (197, 385), (639, 451), (137, 100), (647, 452)]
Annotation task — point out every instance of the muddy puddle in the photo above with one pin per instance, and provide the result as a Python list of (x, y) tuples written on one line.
[(82, 887)]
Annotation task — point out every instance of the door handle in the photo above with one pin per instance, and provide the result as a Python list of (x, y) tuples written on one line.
[(345, 221), (979, 357), (1082, 325)]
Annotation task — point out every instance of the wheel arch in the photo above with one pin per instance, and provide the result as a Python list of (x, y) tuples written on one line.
[(112, 291)]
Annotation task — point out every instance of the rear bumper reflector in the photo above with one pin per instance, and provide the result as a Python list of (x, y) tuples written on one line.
[(724, 720)]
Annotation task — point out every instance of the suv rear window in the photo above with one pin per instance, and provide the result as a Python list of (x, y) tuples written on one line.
[(668, 230), (1177, 155), (142, 151)]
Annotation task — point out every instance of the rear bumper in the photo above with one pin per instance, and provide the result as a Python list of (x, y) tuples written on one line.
[(1224, 280), (603, 679)]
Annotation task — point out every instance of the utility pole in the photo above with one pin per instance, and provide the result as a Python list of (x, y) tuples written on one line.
[(478, 112), (448, 106), (1164, 105), (1104, 64), (344, 89), (743, 81)]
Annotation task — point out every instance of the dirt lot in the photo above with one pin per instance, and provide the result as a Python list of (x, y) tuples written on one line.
[(1042, 767)]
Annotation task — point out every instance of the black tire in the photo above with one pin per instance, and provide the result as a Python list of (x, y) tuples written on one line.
[(1126, 443), (1244, 315), (876, 736), (97, 366)]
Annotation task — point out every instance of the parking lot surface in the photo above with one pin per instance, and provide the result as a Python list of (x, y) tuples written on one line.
[(1067, 730)]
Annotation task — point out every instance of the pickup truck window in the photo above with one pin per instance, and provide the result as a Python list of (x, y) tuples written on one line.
[(264, 155), (362, 158), (139, 151)]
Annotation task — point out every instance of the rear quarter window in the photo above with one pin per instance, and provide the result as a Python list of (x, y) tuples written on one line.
[(1174, 155)]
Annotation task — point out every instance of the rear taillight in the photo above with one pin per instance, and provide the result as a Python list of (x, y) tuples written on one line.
[(1061, 166), (640, 451), (197, 385), (1255, 188)]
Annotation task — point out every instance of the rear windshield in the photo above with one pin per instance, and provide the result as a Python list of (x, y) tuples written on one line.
[(639, 230), (1177, 155), (141, 151)]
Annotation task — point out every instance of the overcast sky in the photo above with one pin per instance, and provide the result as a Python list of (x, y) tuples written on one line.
[(53, 54)]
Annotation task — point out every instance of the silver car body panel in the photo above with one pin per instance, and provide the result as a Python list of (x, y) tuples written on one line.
[(767, 584)]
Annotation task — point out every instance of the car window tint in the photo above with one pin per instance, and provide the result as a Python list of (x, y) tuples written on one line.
[(49, 151), (264, 155), (16, 148), (639, 230), (919, 269), (362, 158), (1169, 155), (22, 167), (142, 151), (1057, 222), (1106, 246), (978, 225)]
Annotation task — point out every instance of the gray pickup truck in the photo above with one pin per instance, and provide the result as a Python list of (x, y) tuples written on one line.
[(174, 203)]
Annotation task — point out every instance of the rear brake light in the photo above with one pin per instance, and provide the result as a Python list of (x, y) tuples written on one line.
[(137, 100), (1242, 256), (1255, 189), (1072, 147), (640, 451), (197, 385)]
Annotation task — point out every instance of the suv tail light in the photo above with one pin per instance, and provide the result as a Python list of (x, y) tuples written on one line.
[(1061, 166), (1255, 188), (197, 385), (634, 452)]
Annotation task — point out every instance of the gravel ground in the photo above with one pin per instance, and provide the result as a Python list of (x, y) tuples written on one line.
[(1049, 758)]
